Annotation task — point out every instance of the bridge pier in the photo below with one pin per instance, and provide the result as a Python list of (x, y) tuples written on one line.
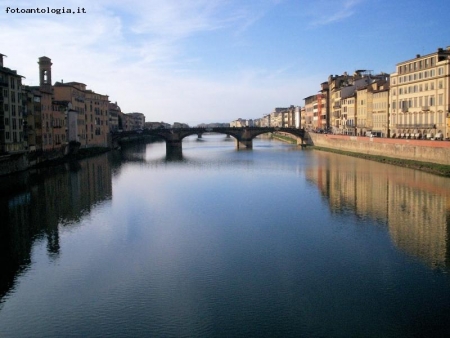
[(173, 146), (174, 153), (244, 144)]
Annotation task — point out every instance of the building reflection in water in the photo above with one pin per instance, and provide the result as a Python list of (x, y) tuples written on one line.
[(34, 205), (414, 205)]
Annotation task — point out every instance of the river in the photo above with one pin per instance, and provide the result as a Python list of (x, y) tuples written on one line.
[(271, 242)]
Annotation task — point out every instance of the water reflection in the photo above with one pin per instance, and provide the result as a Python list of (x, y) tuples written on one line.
[(34, 205), (414, 205)]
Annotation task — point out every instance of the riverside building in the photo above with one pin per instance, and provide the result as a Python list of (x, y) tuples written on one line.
[(11, 111), (419, 98)]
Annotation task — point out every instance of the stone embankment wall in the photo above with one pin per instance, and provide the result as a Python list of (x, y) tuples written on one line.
[(13, 163), (416, 150)]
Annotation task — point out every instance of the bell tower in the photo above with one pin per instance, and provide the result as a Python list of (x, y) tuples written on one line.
[(45, 73)]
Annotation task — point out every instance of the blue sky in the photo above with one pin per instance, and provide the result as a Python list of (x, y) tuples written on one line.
[(217, 60)]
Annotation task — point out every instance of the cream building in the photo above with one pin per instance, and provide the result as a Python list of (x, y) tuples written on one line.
[(137, 121), (419, 100), (348, 115)]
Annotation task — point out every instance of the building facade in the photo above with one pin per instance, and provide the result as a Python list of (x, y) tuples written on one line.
[(96, 119), (92, 122), (11, 111), (419, 97), (137, 121), (113, 113)]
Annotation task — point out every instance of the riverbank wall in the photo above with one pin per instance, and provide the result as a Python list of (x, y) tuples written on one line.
[(437, 152), (12, 163)]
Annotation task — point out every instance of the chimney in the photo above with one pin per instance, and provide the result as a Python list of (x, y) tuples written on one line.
[(1, 59)]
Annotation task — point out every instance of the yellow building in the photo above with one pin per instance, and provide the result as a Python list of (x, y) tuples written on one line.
[(364, 116), (96, 119), (380, 107), (420, 102), (75, 94), (92, 112)]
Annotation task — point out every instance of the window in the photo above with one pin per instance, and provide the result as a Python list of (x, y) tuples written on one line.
[(440, 85), (432, 85), (441, 71), (441, 99)]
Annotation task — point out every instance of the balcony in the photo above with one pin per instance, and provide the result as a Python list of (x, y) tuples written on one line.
[(3, 83), (336, 106), (425, 108), (404, 109), (415, 126)]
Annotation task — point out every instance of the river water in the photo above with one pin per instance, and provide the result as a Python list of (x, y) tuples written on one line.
[(270, 242)]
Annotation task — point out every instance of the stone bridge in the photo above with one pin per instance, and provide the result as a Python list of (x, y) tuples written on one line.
[(174, 137)]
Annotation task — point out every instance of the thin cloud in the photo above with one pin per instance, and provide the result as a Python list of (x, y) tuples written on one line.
[(341, 11)]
